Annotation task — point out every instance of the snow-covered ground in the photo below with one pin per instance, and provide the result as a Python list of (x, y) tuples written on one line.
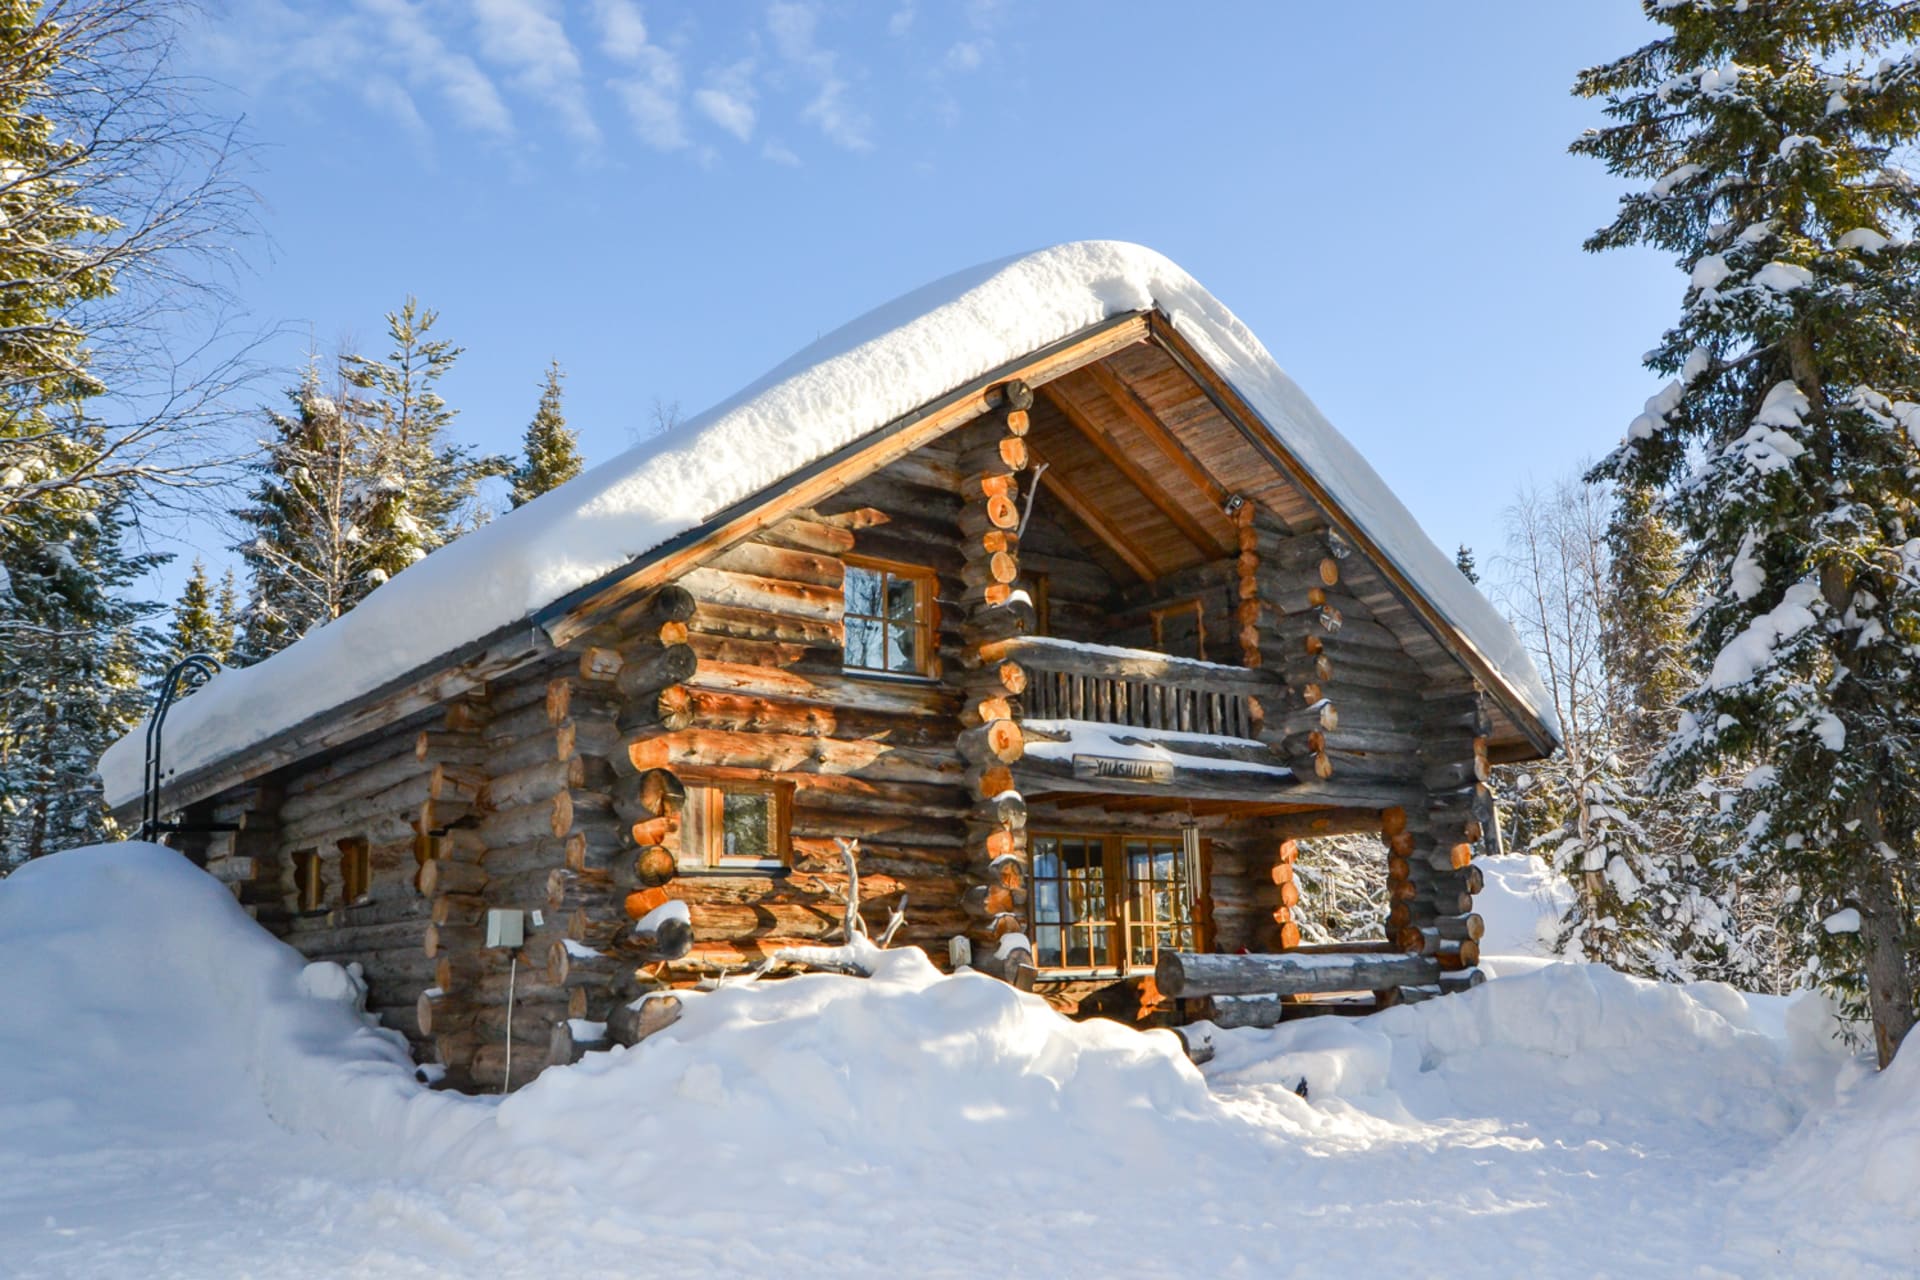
[(180, 1097)]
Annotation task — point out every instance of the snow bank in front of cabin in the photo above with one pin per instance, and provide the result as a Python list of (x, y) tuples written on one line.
[(139, 999), (181, 1096), (880, 367)]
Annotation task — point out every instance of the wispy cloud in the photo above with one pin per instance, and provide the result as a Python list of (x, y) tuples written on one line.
[(968, 55), (780, 155), (528, 37), (728, 98), (427, 61), (793, 26), (651, 91)]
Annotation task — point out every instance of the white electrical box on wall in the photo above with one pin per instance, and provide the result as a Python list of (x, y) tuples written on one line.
[(506, 928)]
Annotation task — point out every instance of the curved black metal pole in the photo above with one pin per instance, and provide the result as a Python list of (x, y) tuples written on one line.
[(183, 676)]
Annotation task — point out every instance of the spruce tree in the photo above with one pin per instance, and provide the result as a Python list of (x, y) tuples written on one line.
[(226, 618), (76, 650), (428, 485), (313, 515), (1764, 139), (196, 624), (1463, 561), (1644, 614), (551, 453)]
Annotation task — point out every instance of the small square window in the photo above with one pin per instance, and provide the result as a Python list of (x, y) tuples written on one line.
[(888, 613), (737, 826)]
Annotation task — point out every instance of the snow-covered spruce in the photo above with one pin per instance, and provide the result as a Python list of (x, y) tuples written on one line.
[(1788, 443)]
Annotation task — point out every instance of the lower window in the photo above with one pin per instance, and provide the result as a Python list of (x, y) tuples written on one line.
[(734, 826), (1111, 902)]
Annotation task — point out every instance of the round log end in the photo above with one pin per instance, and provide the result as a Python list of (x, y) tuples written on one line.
[(654, 866), (1168, 978)]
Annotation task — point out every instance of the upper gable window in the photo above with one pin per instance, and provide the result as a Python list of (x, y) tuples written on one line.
[(889, 617)]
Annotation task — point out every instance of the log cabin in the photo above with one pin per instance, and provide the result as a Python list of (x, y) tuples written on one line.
[(1044, 584)]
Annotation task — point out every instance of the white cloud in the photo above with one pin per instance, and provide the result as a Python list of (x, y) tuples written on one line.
[(780, 155), (652, 93), (901, 20), (967, 55), (653, 107), (727, 111), (426, 60), (390, 97), (623, 35), (728, 98), (527, 36), (792, 25)]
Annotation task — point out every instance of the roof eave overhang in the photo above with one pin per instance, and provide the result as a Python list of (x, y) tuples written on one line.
[(492, 656), (470, 666)]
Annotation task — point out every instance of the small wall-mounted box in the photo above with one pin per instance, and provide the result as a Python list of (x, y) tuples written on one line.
[(506, 928)]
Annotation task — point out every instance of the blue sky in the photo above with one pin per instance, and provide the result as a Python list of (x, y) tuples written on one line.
[(671, 198)]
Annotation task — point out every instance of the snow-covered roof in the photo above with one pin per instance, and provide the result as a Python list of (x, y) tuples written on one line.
[(881, 367)]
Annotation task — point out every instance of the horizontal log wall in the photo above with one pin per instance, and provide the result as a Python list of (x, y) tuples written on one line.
[(767, 698), (372, 792)]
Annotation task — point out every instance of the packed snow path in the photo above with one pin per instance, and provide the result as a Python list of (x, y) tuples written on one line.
[(179, 1096)]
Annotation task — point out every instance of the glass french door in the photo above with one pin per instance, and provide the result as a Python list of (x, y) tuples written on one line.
[(1108, 902)]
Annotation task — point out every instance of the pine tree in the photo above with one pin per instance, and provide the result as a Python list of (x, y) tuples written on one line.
[(1785, 446), (312, 554), (551, 454), (1463, 561), (429, 486), (66, 606), (196, 626)]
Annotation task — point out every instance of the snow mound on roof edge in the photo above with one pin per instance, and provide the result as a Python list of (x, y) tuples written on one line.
[(877, 368)]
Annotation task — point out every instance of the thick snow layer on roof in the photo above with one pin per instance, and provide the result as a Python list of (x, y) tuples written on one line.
[(876, 369)]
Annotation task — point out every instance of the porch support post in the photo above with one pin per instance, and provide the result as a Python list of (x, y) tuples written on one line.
[(993, 451), (1432, 911)]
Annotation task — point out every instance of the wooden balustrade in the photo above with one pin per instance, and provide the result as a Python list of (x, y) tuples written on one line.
[(1135, 688)]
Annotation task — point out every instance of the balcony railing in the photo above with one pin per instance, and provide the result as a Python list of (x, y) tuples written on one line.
[(1067, 680)]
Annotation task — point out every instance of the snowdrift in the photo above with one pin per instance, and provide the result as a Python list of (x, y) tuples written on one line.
[(911, 1122)]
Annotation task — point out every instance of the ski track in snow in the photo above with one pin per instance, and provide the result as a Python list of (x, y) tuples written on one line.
[(1564, 1122)]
